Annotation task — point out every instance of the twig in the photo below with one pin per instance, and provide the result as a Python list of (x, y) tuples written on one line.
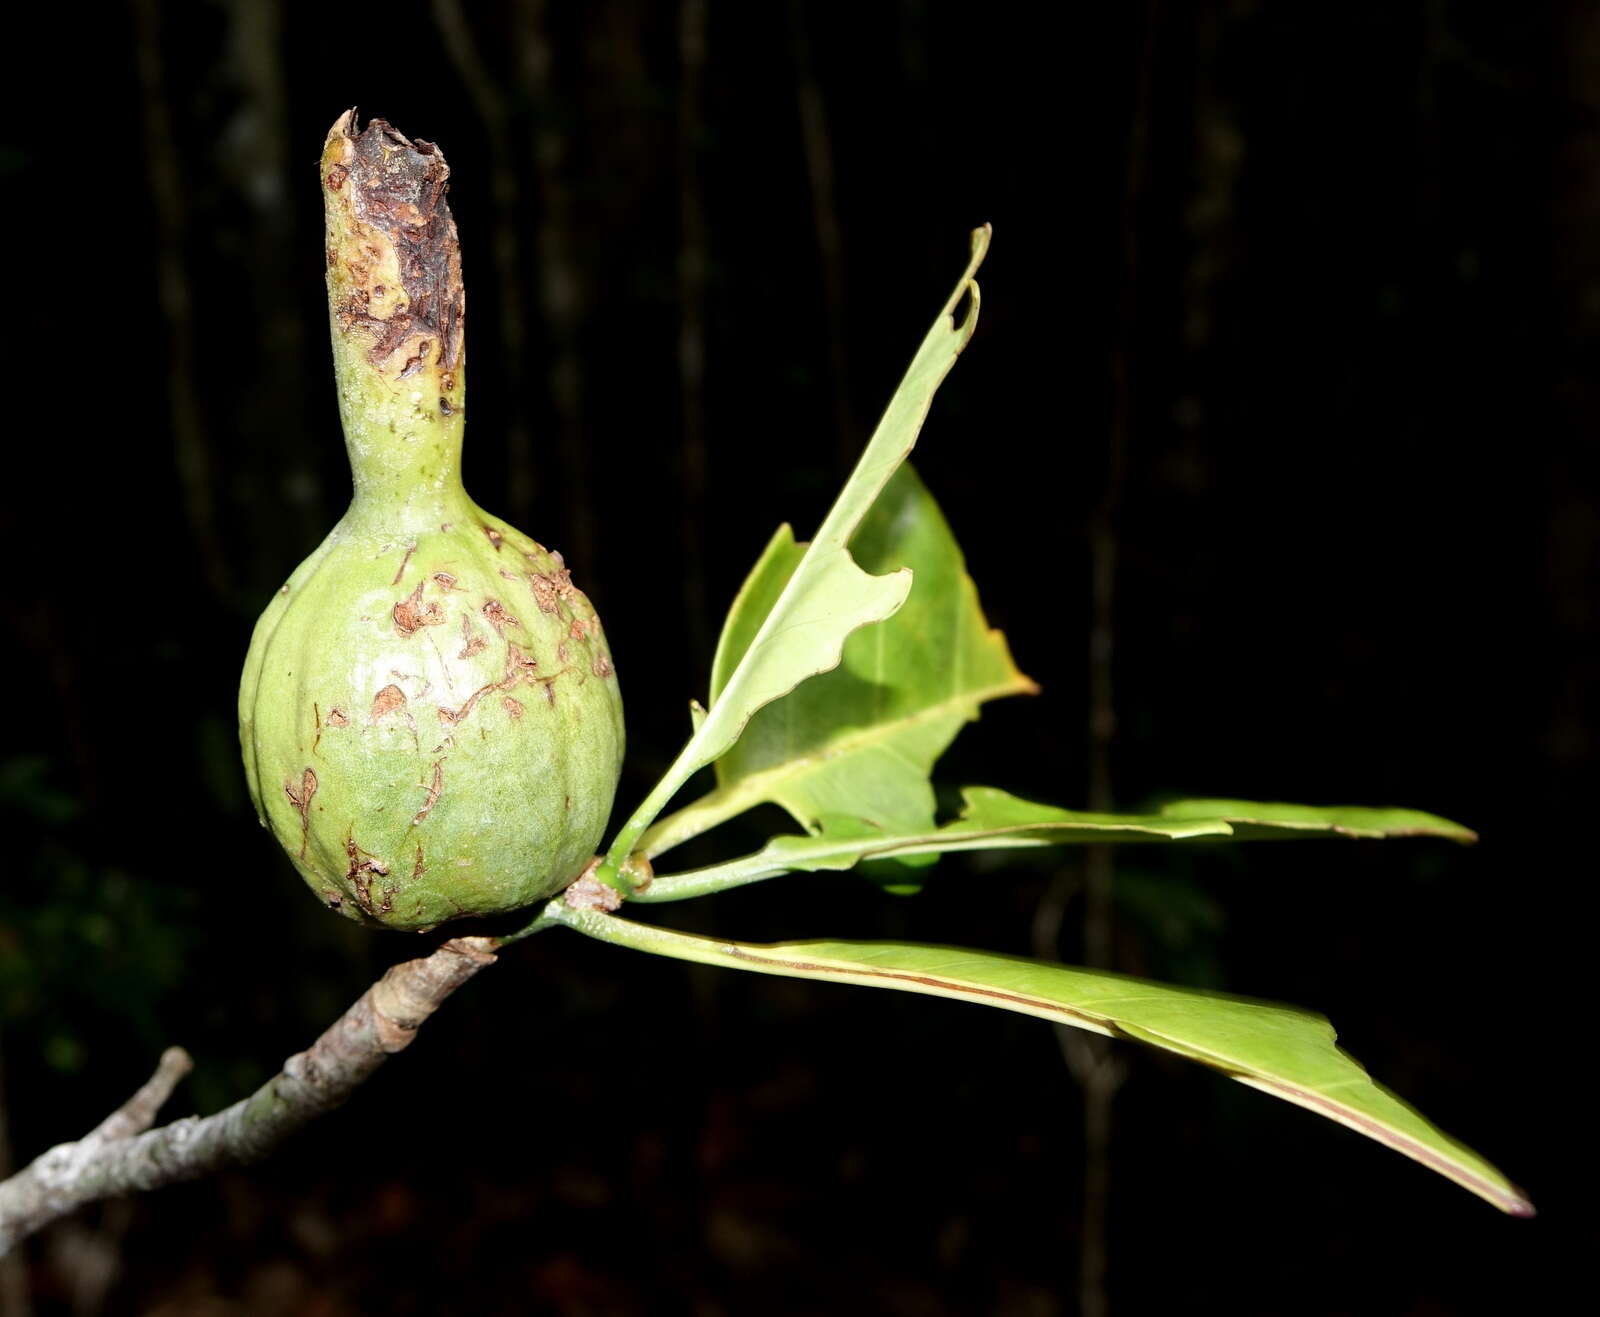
[(561, 283), (123, 1154), (14, 1300), (192, 450), (1099, 1071), (825, 219), (692, 272), (494, 109), (138, 1113)]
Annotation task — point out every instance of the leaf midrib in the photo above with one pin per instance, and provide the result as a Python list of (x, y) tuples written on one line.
[(724, 802), (878, 731)]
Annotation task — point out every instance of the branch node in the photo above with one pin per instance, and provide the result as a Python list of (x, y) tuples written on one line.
[(138, 1113)]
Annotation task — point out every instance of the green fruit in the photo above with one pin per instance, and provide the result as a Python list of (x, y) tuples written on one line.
[(429, 715)]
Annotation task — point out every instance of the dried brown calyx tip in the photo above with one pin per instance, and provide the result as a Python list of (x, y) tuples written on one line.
[(394, 262)]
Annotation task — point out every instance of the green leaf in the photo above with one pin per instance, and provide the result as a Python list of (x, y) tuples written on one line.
[(1281, 1050), (994, 819), (1255, 821), (825, 595), (862, 739)]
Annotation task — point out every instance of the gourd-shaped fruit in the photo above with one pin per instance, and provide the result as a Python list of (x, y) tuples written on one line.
[(429, 715)]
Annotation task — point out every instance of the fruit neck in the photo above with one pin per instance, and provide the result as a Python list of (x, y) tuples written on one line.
[(404, 446), (397, 316)]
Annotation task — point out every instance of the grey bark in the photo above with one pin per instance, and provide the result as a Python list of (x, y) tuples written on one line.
[(124, 1155)]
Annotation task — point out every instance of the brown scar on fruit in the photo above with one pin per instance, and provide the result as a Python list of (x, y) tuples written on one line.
[(417, 359), (404, 563), (363, 885), (471, 642), (411, 613), (519, 668), (497, 616), (544, 594), (386, 701), (337, 717), (360, 869), (511, 706), (419, 868), (434, 789), (394, 204), (316, 723), (445, 581), (549, 587), (601, 667), (495, 537), (450, 717), (301, 800)]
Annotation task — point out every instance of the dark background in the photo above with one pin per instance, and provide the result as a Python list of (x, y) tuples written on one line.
[(1328, 275)]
